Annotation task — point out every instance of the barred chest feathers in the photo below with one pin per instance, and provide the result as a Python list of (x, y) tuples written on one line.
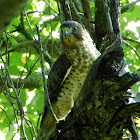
[(82, 54)]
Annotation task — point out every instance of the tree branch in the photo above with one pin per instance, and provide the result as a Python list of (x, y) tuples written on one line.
[(21, 28), (103, 23), (127, 7), (88, 15), (130, 39), (69, 10), (132, 128), (6, 114), (8, 10), (126, 111), (31, 82), (101, 98), (127, 80), (115, 17), (32, 44), (19, 103), (46, 94), (127, 44)]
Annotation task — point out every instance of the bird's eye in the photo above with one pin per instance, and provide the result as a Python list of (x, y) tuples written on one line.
[(75, 28)]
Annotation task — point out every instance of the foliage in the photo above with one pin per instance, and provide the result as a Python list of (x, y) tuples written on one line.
[(23, 62)]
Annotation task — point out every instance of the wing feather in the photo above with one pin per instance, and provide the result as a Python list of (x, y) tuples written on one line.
[(57, 76)]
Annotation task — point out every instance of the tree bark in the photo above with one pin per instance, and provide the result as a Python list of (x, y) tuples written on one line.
[(101, 111), (31, 82), (31, 46)]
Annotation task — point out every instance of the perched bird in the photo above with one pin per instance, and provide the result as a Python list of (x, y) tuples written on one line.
[(68, 74)]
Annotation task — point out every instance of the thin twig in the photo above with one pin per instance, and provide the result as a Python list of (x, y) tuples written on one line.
[(15, 37), (46, 44), (45, 23), (30, 124), (32, 129), (51, 33), (73, 8), (8, 96), (10, 101), (132, 48), (6, 115), (61, 13), (20, 73), (30, 71), (15, 134), (18, 98), (7, 46), (87, 16), (130, 39), (42, 12), (51, 8), (127, 7), (132, 128), (46, 95), (29, 24), (23, 130), (37, 124), (21, 28)]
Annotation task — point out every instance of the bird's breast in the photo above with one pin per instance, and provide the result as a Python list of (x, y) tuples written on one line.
[(82, 56)]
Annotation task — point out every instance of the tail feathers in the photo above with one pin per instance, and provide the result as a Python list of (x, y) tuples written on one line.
[(47, 127), (43, 135)]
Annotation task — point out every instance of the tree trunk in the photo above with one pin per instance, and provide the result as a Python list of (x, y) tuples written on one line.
[(102, 110)]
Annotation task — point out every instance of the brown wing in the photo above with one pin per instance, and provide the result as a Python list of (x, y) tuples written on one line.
[(57, 75), (55, 78)]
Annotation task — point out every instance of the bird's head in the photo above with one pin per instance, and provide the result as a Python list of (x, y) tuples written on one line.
[(71, 32)]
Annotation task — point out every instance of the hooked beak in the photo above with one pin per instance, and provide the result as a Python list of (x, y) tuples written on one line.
[(67, 31)]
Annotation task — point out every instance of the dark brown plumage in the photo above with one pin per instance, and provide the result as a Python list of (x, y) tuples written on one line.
[(68, 73)]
